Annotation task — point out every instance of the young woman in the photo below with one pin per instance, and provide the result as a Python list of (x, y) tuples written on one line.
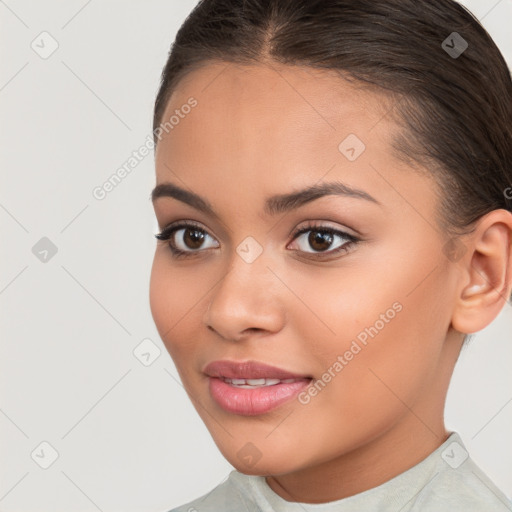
[(334, 193)]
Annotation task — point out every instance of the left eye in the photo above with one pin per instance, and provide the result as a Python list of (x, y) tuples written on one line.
[(321, 240)]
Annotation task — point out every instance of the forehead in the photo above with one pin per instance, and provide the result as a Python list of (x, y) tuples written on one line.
[(301, 101), (272, 105), (263, 129)]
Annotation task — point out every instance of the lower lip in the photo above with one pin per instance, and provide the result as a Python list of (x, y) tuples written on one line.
[(251, 402)]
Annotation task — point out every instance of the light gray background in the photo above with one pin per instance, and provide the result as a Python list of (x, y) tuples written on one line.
[(127, 437)]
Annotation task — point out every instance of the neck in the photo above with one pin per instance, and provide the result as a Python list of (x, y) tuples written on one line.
[(418, 433), (361, 469)]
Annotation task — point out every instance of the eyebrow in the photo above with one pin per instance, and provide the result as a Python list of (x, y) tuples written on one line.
[(274, 205)]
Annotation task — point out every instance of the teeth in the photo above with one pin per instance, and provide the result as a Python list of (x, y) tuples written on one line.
[(271, 382), (256, 382), (251, 383)]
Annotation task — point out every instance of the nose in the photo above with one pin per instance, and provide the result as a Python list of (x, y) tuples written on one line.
[(246, 300)]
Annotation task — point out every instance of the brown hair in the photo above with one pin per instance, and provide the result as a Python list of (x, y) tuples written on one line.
[(456, 109)]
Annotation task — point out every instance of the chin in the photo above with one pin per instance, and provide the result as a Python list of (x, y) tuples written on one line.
[(260, 469), (279, 463)]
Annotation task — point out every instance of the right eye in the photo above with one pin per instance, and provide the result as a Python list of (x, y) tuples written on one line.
[(188, 241)]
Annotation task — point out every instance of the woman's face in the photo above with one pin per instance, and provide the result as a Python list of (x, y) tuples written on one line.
[(363, 311)]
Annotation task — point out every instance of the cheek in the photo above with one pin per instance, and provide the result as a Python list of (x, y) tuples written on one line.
[(160, 300), (173, 298), (373, 345)]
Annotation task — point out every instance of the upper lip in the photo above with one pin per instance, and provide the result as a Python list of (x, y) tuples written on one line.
[(248, 370)]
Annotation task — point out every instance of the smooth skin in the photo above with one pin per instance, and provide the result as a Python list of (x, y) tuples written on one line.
[(269, 129)]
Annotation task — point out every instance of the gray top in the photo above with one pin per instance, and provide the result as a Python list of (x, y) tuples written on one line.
[(445, 481)]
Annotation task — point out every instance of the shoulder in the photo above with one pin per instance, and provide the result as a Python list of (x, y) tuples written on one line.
[(463, 489), (228, 496)]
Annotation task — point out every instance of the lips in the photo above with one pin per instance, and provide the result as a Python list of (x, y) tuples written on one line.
[(249, 388), (249, 370)]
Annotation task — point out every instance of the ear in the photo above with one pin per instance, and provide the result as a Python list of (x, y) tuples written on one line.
[(486, 278)]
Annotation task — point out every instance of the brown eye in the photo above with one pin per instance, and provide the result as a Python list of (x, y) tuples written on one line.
[(320, 239), (189, 239), (185, 238), (192, 238)]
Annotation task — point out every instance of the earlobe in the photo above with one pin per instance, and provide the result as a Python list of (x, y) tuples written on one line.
[(487, 273)]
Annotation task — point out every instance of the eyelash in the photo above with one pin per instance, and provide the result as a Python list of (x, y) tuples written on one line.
[(167, 234)]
